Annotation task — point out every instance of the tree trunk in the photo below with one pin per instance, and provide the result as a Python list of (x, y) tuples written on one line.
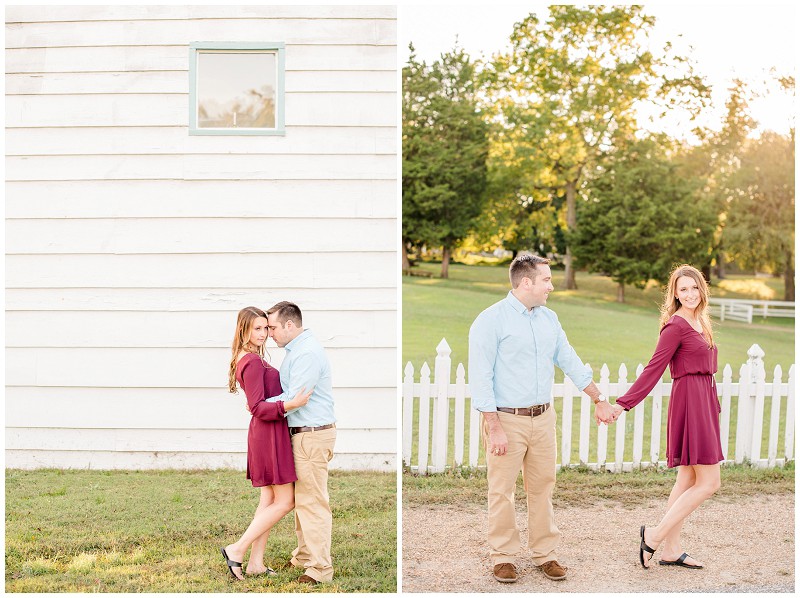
[(406, 263), (721, 265), (706, 270), (621, 292), (445, 261), (788, 278), (572, 223)]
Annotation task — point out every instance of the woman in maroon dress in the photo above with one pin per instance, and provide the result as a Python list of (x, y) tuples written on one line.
[(270, 464), (686, 343)]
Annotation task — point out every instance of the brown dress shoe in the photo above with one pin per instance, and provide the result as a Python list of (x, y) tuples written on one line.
[(307, 579), (505, 573), (552, 570)]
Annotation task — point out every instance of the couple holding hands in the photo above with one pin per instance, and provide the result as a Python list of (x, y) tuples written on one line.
[(290, 440), (513, 348)]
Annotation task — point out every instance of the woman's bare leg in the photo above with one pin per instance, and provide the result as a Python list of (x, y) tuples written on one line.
[(263, 521), (255, 564), (672, 549), (707, 482)]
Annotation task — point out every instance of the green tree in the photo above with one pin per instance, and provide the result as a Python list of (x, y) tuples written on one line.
[(445, 147), (642, 215), (571, 85), (716, 159), (760, 221)]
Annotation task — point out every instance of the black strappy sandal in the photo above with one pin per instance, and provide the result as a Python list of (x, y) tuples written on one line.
[(644, 548), (231, 564), (680, 562)]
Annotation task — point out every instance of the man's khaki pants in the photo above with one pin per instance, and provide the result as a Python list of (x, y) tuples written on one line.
[(532, 448), (312, 511)]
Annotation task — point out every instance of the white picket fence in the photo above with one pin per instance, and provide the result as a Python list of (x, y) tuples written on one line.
[(751, 391), (743, 310)]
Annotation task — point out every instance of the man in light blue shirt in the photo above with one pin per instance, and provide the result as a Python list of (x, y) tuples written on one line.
[(313, 437), (513, 348)]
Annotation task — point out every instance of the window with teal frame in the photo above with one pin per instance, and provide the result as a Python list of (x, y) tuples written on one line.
[(236, 88)]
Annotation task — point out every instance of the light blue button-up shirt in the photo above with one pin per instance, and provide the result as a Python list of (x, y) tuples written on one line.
[(306, 365), (512, 352)]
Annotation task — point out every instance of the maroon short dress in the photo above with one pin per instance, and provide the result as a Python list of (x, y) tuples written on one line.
[(269, 449), (693, 413)]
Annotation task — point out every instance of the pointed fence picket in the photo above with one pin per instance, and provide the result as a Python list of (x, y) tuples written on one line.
[(432, 448)]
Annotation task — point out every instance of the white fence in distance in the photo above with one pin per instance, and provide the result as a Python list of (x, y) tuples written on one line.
[(751, 390), (743, 310)]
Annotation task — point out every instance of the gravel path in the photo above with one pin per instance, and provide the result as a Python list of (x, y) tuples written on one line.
[(746, 546)]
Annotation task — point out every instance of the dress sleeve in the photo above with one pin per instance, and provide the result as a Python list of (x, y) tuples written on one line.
[(668, 343), (253, 378)]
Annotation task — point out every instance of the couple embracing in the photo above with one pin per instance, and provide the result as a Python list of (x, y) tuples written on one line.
[(513, 348), (290, 440)]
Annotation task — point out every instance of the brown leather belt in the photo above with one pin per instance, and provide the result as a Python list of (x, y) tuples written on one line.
[(293, 431), (529, 411)]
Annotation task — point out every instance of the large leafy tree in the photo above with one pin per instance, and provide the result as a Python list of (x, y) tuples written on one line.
[(759, 229), (643, 215), (568, 87), (716, 159), (445, 147)]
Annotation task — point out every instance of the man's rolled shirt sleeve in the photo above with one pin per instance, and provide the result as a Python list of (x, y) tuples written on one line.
[(482, 356), (568, 361)]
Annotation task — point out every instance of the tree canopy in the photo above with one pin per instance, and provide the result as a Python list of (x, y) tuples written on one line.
[(759, 228), (643, 215), (445, 147), (568, 87)]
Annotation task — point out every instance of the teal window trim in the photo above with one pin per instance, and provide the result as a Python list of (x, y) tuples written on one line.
[(280, 94)]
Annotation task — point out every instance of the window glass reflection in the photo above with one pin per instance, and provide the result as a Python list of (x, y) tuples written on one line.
[(236, 89)]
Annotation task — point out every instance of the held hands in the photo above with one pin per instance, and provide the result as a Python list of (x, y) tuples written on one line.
[(299, 400), (606, 413)]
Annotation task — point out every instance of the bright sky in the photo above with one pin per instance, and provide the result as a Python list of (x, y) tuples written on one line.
[(742, 41)]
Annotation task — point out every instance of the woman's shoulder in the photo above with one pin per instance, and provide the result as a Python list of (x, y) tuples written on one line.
[(675, 325), (245, 359), (676, 320)]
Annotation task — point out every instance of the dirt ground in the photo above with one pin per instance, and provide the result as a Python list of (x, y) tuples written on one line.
[(747, 546)]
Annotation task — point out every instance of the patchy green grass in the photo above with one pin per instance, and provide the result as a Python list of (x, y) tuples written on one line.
[(582, 487), (160, 531)]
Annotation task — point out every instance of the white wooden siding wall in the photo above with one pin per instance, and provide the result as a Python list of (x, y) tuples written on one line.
[(131, 245)]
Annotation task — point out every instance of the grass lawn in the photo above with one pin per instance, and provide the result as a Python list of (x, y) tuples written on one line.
[(576, 487), (160, 531), (601, 331)]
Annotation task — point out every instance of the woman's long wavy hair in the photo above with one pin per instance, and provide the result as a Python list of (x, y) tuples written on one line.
[(244, 327), (672, 303)]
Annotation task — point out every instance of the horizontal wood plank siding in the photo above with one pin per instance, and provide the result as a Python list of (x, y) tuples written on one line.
[(183, 299), (130, 245), (36, 14), (81, 407), (185, 329), (136, 59), (202, 199)]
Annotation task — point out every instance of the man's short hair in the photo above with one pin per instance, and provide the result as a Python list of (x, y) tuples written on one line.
[(286, 311), (524, 266)]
